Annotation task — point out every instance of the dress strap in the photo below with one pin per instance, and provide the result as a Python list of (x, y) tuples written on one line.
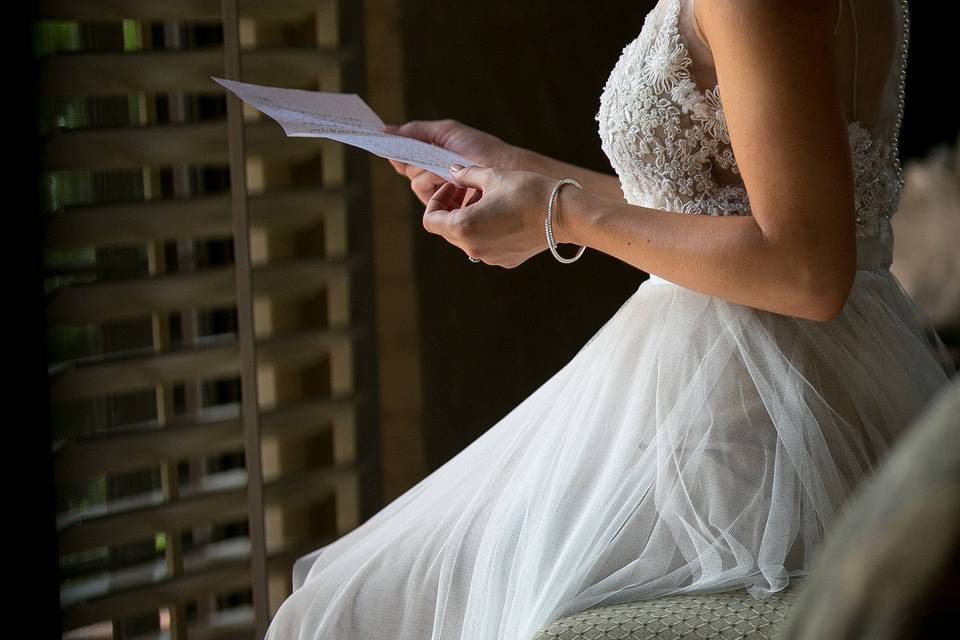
[(853, 17)]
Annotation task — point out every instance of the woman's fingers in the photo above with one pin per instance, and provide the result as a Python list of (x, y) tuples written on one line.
[(447, 198), (472, 197), (442, 211), (425, 184), (429, 131)]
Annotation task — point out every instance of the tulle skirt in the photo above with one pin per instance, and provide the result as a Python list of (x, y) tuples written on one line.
[(691, 445)]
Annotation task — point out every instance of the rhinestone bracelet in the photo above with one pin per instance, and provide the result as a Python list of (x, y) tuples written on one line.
[(548, 222)]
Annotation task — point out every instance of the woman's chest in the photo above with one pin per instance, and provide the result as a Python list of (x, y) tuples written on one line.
[(666, 138)]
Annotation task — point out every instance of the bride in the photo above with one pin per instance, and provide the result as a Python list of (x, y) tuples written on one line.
[(707, 435)]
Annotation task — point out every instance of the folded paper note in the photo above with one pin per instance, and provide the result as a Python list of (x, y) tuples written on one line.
[(344, 117)]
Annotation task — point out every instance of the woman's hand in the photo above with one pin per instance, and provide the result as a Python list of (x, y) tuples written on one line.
[(474, 145), (502, 223)]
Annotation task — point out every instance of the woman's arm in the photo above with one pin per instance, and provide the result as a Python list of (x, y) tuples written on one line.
[(602, 184), (727, 257), (797, 253), (489, 151)]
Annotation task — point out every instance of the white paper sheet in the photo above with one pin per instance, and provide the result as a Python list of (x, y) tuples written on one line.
[(344, 117)]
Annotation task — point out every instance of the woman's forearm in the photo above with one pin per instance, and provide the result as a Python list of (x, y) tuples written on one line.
[(727, 257), (602, 184)]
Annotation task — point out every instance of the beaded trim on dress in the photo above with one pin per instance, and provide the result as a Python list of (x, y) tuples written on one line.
[(665, 137)]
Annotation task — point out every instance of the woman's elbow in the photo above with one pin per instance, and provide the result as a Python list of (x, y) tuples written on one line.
[(834, 304), (830, 292)]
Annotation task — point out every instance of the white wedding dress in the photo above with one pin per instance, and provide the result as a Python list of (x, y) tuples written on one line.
[(692, 444)]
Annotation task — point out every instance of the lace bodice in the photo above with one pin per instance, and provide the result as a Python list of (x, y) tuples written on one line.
[(667, 138)]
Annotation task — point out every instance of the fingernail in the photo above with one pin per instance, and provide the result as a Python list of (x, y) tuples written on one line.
[(456, 167)]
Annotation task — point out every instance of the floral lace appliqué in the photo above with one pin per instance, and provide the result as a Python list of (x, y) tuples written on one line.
[(877, 192), (668, 141)]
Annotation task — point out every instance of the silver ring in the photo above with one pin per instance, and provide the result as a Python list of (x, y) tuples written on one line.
[(472, 259)]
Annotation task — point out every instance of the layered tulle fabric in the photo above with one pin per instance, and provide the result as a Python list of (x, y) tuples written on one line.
[(692, 444)]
